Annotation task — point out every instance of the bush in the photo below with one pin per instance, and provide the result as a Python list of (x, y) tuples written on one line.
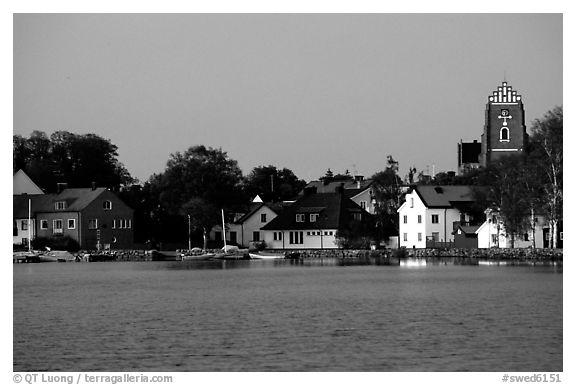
[(400, 253), (56, 243)]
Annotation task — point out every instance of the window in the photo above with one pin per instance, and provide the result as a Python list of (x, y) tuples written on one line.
[(256, 236), (405, 237), (277, 236), (526, 237), (296, 237), (411, 202), (419, 237), (107, 205), (92, 223), (60, 205), (504, 134), (419, 218), (43, 224), (300, 217), (24, 225), (405, 218), (357, 217), (434, 218), (263, 218), (494, 239), (71, 224), (314, 217), (363, 205), (58, 227)]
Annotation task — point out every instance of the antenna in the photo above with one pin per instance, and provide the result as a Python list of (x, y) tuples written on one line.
[(505, 76)]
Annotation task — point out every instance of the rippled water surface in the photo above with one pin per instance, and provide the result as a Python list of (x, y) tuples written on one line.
[(281, 316)]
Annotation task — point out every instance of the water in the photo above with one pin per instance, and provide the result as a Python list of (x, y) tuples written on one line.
[(284, 316)]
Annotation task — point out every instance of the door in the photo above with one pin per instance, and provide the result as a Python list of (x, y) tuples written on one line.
[(233, 237)]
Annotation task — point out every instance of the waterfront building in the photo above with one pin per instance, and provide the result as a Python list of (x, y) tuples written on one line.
[(313, 221), (430, 215), (358, 189)]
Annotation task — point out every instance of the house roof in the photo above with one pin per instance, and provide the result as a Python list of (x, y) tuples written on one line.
[(76, 198), (20, 204), (467, 229), (350, 186), (444, 196), (256, 206), (334, 210)]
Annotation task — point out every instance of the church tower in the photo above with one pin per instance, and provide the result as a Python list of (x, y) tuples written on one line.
[(504, 127)]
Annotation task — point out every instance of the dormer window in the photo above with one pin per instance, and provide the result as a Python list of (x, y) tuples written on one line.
[(107, 205), (60, 205), (357, 216), (504, 134), (314, 217), (300, 217)]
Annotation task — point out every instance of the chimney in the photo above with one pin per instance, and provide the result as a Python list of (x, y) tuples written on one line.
[(358, 179), (61, 186), (93, 186)]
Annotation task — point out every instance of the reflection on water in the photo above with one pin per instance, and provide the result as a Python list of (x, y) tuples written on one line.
[(287, 315)]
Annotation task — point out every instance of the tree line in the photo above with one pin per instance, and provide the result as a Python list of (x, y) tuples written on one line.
[(197, 183)]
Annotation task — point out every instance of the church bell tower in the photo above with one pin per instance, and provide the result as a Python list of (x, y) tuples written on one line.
[(504, 127)]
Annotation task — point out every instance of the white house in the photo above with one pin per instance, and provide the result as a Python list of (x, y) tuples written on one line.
[(492, 233), (312, 222), (246, 228), (428, 215)]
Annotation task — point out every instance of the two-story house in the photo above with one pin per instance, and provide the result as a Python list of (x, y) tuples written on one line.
[(313, 221), (428, 216)]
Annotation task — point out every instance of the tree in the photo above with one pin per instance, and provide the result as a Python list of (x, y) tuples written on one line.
[(547, 154), (200, 176), (78, 160), (272, 184), (203, 215), (388, 195)]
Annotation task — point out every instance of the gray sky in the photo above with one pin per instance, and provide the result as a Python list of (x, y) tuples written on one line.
[(306, 92)]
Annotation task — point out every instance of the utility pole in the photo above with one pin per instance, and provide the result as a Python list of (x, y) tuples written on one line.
[(189, 234)]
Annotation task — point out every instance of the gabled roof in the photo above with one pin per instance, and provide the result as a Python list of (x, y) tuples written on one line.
[(334, 211), (467, 229), (256, 206), (444, 196), (22, 184), (76, 198)]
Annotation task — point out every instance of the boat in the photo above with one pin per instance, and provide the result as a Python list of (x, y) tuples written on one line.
[(266, 255), (56, 256), (230, 252), (25, 256), (197, 254)]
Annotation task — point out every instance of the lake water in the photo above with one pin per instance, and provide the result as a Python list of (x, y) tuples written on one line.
[(286, 316)]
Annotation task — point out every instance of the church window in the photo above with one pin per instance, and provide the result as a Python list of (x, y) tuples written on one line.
[(504, 135)]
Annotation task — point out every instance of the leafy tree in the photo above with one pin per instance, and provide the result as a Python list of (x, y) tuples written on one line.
[(547, 154), (200, 176), (272, 184), (78, 160), (387, 187), (203, 215)]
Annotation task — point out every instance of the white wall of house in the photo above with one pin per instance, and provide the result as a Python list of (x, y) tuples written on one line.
[(245, 231), (21, 236), (310, 239), (418, 222), (489, 236)]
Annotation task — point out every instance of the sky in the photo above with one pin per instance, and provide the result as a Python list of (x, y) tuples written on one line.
[(303, 91)]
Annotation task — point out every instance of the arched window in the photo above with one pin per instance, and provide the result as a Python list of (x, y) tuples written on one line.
[(504, 135)]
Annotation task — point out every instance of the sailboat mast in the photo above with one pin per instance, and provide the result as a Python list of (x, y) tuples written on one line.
[(29, 224), (223, 230)]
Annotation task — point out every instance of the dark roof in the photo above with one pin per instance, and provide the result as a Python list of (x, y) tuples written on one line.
[(467, 229), (332, 187), (334, 210), (76, 200), (20, 204), (444, 196)]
